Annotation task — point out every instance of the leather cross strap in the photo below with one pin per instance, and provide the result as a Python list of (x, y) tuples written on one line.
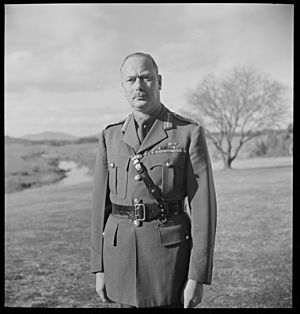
[(152, 188)]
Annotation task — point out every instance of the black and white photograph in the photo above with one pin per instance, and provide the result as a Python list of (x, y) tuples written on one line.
[(148, 155)]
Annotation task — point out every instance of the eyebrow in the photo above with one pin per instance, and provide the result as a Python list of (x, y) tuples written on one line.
[(143, 73), (148, 74)]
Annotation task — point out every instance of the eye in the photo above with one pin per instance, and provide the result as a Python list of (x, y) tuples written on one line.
[(130, 79), (148, 78)]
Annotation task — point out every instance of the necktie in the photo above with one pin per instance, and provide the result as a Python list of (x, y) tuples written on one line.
[(142, 131)]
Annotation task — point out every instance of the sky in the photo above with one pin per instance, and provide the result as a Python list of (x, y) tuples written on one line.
[(62, 60)]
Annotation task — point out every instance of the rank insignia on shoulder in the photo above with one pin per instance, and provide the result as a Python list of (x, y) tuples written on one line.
[(168, 124)]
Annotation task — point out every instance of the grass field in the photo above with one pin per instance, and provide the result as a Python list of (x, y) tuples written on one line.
[(47, 243)]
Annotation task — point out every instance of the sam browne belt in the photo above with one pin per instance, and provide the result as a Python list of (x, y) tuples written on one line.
[(154, 190), (146, 212)]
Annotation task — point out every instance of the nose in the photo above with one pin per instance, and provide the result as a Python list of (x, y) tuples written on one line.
[(138, 83)]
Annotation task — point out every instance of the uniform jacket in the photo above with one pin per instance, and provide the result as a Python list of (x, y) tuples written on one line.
[(147, 266)]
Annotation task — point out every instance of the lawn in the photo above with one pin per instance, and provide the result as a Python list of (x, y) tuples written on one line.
[(47, 243)]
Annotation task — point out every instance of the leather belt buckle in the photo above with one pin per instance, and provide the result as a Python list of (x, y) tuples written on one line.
[(139, 212)]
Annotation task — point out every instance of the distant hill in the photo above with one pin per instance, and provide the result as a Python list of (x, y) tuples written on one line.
[(10, 140), (50, 136)]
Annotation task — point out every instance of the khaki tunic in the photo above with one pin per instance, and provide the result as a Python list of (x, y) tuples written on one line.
[(147, 266)]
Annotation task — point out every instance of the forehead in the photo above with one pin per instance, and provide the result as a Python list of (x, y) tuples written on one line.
[(137, 64)]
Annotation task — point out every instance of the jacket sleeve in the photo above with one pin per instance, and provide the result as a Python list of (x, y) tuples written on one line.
[(203, 207), (100, 206)]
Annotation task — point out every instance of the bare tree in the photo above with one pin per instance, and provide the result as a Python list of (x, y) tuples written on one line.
[(237, 108)]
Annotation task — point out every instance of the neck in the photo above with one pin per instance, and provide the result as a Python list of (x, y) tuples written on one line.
[(148, 114)]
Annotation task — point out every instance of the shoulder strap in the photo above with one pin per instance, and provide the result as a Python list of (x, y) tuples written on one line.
[(188, 120), (115, 123)]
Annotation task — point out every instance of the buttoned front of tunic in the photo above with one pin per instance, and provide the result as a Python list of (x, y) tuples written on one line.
[(147, 265)]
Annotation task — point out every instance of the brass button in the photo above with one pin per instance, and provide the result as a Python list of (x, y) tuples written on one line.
[(135, 161), (138, 177), (137, 223), (112, 164), (187, 237), (168, 164), (138, 167)]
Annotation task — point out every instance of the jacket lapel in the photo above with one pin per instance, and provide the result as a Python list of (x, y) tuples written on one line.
[(130, 136), (154, 136)]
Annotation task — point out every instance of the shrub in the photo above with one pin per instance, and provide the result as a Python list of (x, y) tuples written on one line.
[(274, 144)]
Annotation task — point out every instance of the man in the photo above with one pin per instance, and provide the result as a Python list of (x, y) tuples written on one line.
[(147, 248)]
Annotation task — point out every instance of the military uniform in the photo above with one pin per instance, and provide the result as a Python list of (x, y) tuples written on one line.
[(146, 264)]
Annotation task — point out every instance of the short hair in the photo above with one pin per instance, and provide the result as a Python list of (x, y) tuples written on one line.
[(140, 54)]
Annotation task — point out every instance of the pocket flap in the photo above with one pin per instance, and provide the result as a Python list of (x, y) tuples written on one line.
[(110, 233), (119, 162), (174, 233), (165, 159)]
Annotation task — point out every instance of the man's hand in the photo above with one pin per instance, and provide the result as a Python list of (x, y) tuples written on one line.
[(192, 293), (100, 287)]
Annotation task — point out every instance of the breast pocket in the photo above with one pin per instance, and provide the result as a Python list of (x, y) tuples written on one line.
[(167, 171), (118, 176)]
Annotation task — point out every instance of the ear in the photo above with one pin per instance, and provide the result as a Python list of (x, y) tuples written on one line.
[(123, 87), (159, 81)]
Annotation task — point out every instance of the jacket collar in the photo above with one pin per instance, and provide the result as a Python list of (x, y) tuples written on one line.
[(156, 134)]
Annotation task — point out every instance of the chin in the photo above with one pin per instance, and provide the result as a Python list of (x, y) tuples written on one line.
[(140, 104)]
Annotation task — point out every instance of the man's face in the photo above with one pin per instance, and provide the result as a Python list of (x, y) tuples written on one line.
[(141, 84)]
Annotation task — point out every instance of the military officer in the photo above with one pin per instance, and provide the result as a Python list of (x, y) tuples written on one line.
[(147, 248)]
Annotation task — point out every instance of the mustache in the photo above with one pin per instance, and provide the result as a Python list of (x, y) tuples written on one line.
[(139, 94)]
